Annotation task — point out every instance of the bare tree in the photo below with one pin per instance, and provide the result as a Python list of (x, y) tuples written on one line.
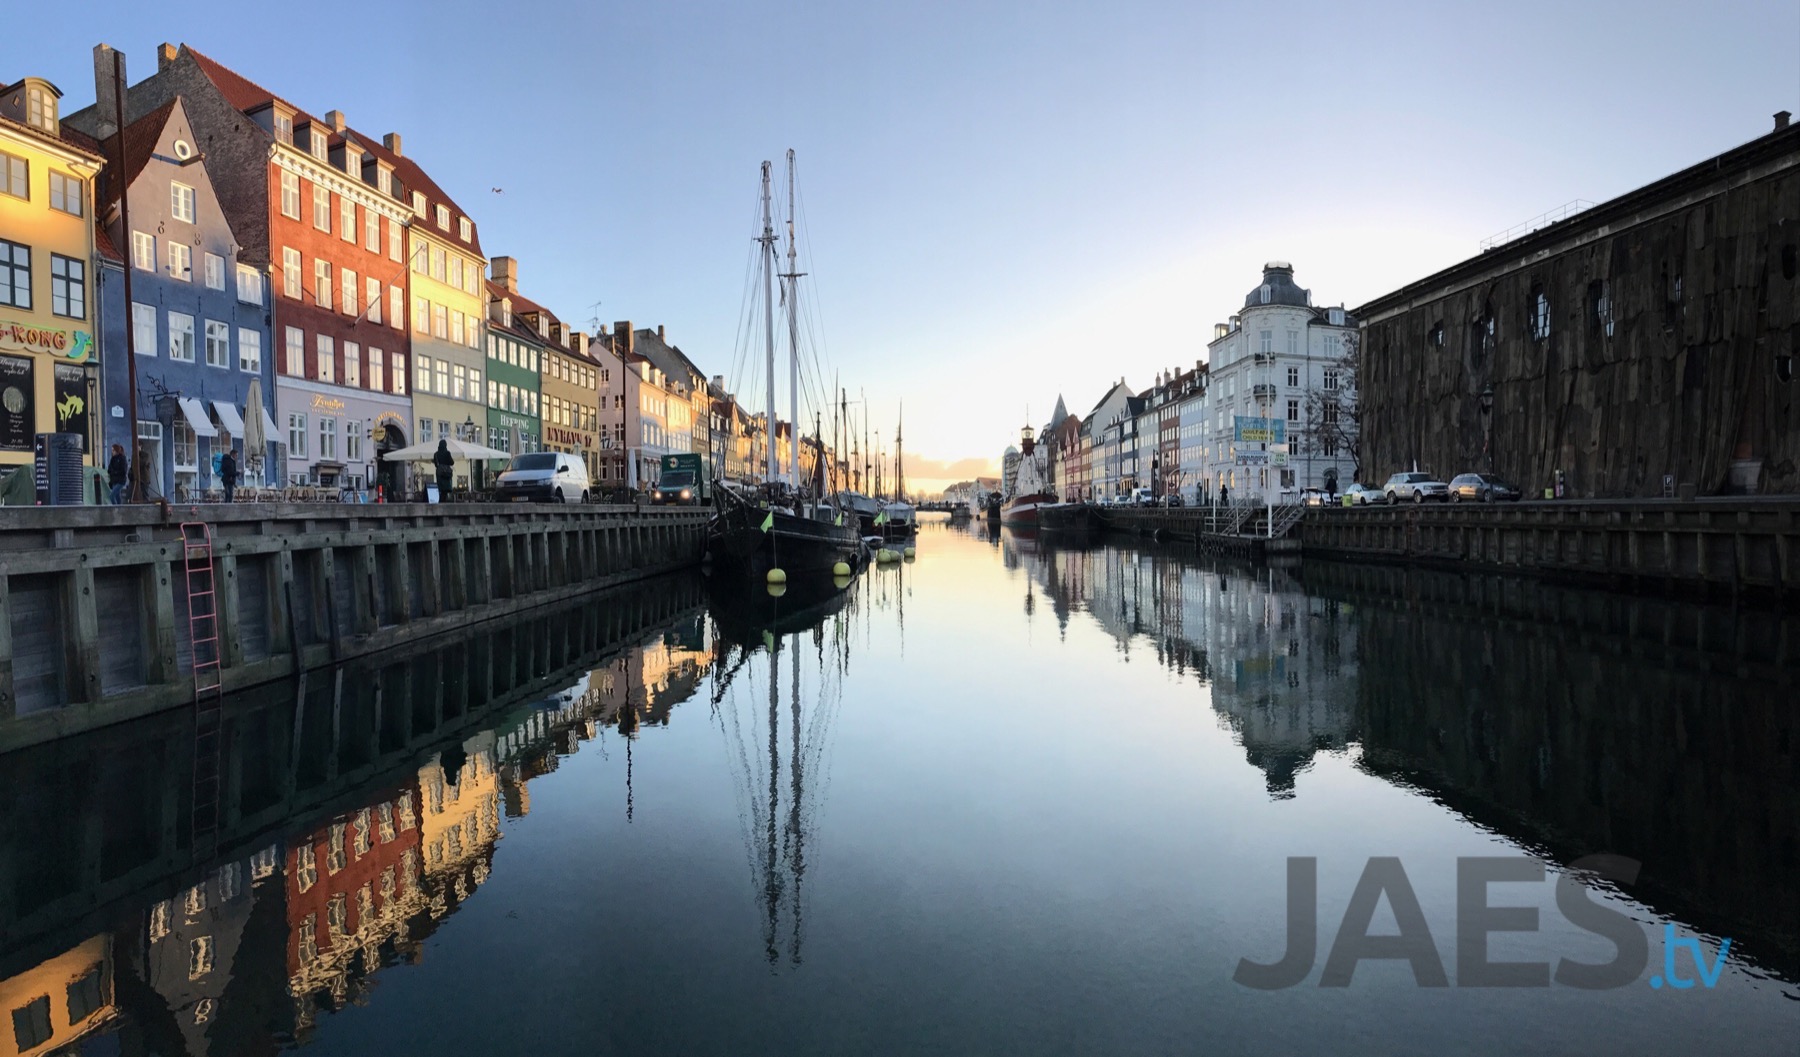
[(1333, 425)]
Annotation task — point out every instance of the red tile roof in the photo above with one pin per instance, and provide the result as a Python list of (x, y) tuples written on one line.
[(239, 90)]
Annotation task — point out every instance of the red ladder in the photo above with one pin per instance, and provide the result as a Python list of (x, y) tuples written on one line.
[(203, 635)]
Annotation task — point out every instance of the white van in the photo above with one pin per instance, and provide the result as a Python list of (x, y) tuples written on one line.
[(544, 477)]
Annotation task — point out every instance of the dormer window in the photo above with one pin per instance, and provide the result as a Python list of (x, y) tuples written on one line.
[(506, 311), (352, 160), (384, 181), (284, 127), (318, 144), (443, 218), (418, 203), (465, 229), (1335, 316), (40, 108)]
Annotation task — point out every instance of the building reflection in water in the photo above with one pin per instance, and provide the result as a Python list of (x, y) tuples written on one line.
[(1569, 721), (245, 957)]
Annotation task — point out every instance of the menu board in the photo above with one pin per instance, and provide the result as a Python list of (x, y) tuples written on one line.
[(71, 400), (18, 403)]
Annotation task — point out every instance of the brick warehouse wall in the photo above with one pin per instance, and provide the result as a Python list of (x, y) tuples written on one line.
[(1700, 270)]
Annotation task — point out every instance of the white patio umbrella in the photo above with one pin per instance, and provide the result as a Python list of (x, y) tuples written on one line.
[(462, 449)]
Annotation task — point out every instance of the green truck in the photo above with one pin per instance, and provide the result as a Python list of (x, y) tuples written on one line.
[(683, 482)]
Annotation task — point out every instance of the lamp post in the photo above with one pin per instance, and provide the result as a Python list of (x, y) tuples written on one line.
[(1487, 425)]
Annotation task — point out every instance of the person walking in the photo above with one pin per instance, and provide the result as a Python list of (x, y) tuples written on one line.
[(228, 474), (118, 472), (1224, 496), (445, 462)]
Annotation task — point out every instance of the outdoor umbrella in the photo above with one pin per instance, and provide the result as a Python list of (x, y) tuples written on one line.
[(254, 441), (462, 449)]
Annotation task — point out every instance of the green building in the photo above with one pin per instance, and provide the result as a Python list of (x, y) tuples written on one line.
[(515, 356)]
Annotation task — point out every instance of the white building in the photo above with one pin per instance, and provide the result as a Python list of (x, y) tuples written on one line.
[(1279, 358)]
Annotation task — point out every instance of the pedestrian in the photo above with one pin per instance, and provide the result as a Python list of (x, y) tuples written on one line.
[(228, 474), (118, 472), (445, 462), (1224, 495), (139, 480)]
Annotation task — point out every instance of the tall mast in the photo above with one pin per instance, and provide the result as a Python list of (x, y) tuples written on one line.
[(900, 456), (768, 257), (792, 275)]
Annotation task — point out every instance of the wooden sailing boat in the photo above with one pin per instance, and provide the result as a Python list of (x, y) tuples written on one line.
[(783, 529)]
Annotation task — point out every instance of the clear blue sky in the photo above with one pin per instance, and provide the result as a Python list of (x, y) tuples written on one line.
[(1005, 201)]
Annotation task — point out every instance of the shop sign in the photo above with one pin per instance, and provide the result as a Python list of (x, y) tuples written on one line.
[(76, 345)]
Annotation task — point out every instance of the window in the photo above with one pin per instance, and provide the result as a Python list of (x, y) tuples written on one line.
[(399, 373), (353, 453), (1293, 411), (1600, 292), (249, 351), (249, 284), (181, 337), (326, 359), (371, 230), (290, 271), (347, 219), (1331, 379), (437, 264), (143, 328), (308, 871), (474, 383), (322, 208), (456, 272), (421, 315), (1293, 377), (347, 279), (1294, 342), (418, 203), (317, 146), (296, 352), (443, 218), (284, 131), (181, 202), (384, 180), (440, 321), (1268, 339), (377, 379), (328, 450), (465, 229), (218, 344), (352, 363), (68, 287), (425, 435), (15, 177), (65, 193), (181, 262), (456, 328), (143, 251), (459, 381), (372, 295), (187, 465), (322, 283), (440, 373), (290, 194), (40, 109), (31, 1023), (474, 332), (86, 996), (419, 256), (1540, 314), (215, 271), (422, 364)]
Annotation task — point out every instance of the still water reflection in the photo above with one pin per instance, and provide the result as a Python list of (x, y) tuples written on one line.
[(1010, 798)]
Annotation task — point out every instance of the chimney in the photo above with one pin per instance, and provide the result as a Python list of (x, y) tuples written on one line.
[(104, 75), (659, 334), (392, 142), (335, 118), (1781, 119), (626, 343), (506, 273), (165, 56)]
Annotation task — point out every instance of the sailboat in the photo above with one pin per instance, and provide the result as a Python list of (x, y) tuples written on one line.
[(782, 529), (899, 517)]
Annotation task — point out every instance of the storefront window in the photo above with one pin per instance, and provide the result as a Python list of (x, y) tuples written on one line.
[(187, 459)]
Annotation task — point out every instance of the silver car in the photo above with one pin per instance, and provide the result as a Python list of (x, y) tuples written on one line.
[(1415, 486)]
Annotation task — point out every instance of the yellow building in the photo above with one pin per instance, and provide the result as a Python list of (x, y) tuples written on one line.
[(49, 359), (59, 1001), (459, 822), (571, 401)]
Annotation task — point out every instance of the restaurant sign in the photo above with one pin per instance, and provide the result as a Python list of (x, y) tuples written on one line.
[(75, 345)]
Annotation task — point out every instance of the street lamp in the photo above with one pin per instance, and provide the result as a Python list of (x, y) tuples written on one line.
[(1487, 424)]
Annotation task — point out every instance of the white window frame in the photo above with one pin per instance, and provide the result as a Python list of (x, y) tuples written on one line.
[(143, 251), (396, 308), (181, 337), (145, 329), (297, 449), (347, 291), (290, 272), (443, 218), (296, 352), (249, 285), (371, 230), (181, 202), (67, 194), (353, 364), (347, 219), (377, 370), (422, 366), (372, 299), (249, 352), (218, 344), (215, 271), (397, 374), (396, 240), (181, 261), (290, 190), (322, 208), (322, 282), (325, 358)]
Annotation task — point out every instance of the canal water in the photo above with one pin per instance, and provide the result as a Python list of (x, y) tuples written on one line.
[(1007, 798)]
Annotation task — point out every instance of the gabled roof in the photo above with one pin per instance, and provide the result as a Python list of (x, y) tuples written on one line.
[(240, 91), (141, 138), (415, 178)]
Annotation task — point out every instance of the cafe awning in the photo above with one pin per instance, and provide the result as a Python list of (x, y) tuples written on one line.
[(198, 420), (228, 417)]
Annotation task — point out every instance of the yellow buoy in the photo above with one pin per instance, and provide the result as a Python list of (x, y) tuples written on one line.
[(777, 590), (841, 569), (911, 551), (840, 582), (885, 555), (776, 576)]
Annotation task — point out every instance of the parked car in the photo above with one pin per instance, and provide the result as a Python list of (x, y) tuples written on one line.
[(1482, 487), (1173, 500), (1314, 497), (675, 486), (544, 477), (1415, 486), (1142, 497), (1363, 495)]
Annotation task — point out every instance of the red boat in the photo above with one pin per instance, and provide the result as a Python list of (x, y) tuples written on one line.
[(1031, 485), (1024, 509)]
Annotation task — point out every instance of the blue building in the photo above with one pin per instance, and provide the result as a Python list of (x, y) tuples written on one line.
[(199, 316)]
